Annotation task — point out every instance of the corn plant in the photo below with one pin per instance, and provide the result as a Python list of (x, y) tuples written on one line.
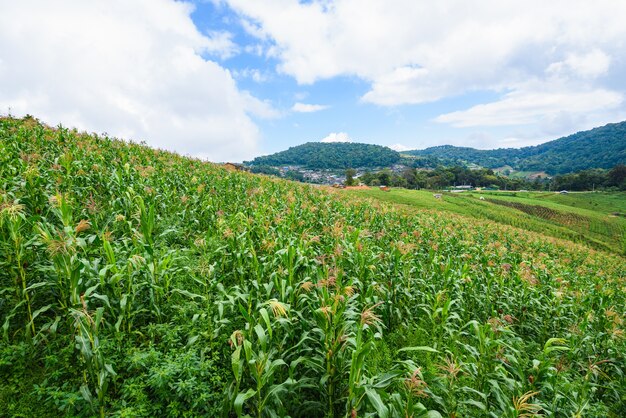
[(97, 372)]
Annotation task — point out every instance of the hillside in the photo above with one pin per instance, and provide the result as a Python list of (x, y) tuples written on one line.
[(139, 283), (603, 147), (338, 155), (588, 218)]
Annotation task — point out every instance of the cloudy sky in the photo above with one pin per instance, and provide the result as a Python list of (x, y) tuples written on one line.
[(232, 79)]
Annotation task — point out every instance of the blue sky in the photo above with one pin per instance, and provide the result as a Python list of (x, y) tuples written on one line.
[(232, 79), (403, 126)]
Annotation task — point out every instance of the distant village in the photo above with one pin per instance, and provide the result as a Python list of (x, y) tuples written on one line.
[(318, 176), (335, 178), (362, 177)]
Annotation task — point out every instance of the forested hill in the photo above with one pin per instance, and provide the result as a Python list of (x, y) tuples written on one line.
[(602, 147), (338, 155)]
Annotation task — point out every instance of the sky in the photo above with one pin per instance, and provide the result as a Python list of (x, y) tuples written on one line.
[(228, 80)]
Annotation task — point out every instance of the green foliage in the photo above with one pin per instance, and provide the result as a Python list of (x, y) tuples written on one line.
[(350, 173), (603, 147), (595, 179), (444, 177), (294, 175), (340, 155), (265, 169), (589, 218), (617, 177), (135, 282)]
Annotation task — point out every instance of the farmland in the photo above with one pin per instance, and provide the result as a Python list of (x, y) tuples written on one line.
[(136, 282), (594, 219)]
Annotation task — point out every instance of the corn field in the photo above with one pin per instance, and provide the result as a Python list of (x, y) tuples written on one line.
[(138, 283), (545, 213)]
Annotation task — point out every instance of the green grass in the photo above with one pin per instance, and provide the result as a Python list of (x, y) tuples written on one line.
[(586, 203), (602, 202), (580, 217)]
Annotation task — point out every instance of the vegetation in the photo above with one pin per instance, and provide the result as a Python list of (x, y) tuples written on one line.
[(265, 169), (592, 179), (445, 177), (135, 282), (338, 155), (603, 147), (599, 202), (350, 173), (595, 219)]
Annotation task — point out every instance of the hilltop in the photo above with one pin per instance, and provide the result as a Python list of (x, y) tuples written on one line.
[(336, 155), (136, 282), (602, 147)]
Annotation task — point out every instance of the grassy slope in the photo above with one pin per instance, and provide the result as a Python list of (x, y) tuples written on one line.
[(591, 223), (591, 214), (182, 278), (602, 202)]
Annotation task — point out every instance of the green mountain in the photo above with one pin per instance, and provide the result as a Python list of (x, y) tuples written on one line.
[(338, 155), (602, 147)]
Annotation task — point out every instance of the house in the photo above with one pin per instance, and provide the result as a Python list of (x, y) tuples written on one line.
[(563, 192), (437, 196), (385, 188)]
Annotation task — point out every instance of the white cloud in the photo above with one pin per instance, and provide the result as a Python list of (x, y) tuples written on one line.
[(252, 73), (337, 137), (533, 105), (137, 69), (260, 108), (221, 44), (589, 65), (307, 108), (404, 85), (414, 52), (400, 147)]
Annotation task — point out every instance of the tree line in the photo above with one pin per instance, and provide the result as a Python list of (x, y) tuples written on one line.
[(444, 177)]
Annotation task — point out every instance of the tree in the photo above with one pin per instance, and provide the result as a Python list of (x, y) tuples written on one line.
[(409, 177), (398, 181), (421, 179), (350, 173), (617, 176), (294, 175), (385, 177), (265, 169)]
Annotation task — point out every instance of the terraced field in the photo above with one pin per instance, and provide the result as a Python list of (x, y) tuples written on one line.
[(135, 282)]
